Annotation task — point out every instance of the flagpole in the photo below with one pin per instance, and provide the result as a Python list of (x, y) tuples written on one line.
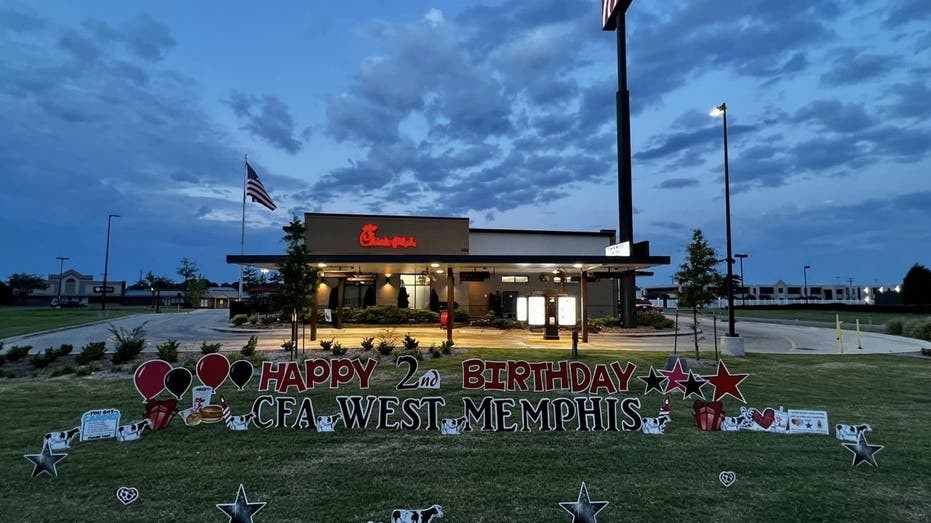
[(242, 235)]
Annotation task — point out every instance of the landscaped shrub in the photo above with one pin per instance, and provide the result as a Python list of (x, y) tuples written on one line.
[(209, 348), (42, 359), (17, 353), (446, 347), (895, 326), (253, 320), (91, 352), (268, 320), (62, 371), (435, 351), (168, 351), (387, 342), (367, 343), (607, 321), (654, 319), (920, 329), (412, 352), (461, 317), (65, 349), (338, 349), (128, 343), (249, 348), (327, 344), (288, 345), (505, 324), (410, 343), (239, 319)]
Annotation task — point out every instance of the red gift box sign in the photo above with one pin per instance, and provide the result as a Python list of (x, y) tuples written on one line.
[(708, 415), (160, 413)]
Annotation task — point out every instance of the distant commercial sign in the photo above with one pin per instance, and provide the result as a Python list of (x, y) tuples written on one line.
[(100, 289), (618, 249)]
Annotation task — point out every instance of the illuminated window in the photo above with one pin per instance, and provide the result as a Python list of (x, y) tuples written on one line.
[(514, 279)]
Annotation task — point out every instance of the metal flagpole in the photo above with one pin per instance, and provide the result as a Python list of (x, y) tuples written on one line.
[(242, 236)]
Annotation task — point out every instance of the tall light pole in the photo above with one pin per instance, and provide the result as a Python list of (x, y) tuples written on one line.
[(805, 275), (106, 265), (613, 18), (721, 110), (743, 295), (61, 270)]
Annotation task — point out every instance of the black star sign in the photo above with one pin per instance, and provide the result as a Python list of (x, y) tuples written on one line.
[(241, 511), (693, 385), (654, 381), (583, 510), (45, 461), (863, 451)]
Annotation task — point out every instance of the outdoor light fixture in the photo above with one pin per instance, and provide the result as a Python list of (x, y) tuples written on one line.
[(434, 265), (106, 265), (805, 275), (721, 110), (321, 265), (61, 268)]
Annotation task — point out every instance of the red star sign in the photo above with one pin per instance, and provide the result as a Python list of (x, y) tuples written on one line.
[(674, 377), (726, 383)]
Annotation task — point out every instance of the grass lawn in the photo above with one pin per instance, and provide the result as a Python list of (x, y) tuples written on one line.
[(15, 321), (362, 475), (848, 317)]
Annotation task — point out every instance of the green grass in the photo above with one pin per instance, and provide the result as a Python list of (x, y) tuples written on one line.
[(15, 321), (356, 476), (848, 317)]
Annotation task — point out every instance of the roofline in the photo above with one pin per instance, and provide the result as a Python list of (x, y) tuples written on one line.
[(607, 233), (407, 217), (484, 259)]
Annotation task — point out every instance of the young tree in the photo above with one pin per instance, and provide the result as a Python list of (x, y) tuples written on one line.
[(156, 283), (916, 287), (23, 284), (698, 278), (300, 280), (196, 289), (188, 271)]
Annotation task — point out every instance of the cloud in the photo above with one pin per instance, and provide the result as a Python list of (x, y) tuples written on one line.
[(142, 35), (20, 22), (678, 183), (434, 17), (268, 118), (852, 66), (835, 116), (907, 11)]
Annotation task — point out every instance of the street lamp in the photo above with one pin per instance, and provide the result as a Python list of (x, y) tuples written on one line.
[(106, 265), (61, 269), (721, 110), (805, 274), (743, 294)]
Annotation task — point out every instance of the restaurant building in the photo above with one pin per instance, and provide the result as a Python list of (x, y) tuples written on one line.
[(367, 259)]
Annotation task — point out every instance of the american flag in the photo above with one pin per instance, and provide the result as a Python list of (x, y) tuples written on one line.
[(256, 190), (608, 7)]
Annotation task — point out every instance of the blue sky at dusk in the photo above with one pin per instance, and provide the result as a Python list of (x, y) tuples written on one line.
[(500, 111)]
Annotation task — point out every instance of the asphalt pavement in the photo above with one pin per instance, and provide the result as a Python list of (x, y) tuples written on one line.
[(212, 326)]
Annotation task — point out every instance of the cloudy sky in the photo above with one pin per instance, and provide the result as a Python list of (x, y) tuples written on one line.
[(499, 111)]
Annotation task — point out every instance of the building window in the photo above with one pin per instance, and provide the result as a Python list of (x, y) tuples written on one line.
[(515, 279), (418, 290)]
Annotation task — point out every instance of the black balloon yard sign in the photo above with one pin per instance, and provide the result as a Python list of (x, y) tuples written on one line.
[(590, 397)]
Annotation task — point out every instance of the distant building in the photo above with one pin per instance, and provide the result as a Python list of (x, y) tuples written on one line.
[(76, 290), (782, 293)]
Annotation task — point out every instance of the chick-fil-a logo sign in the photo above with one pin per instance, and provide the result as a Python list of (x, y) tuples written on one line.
[(367, 238)]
